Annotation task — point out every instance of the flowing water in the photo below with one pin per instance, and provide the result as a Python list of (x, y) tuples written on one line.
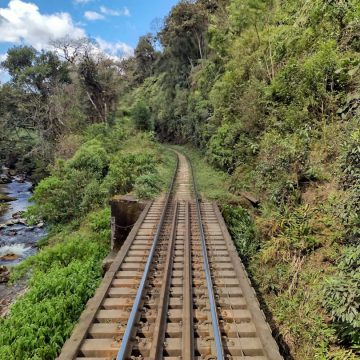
[(17, 241)]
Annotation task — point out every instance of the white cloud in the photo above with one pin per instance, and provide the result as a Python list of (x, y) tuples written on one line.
[(115, 51), (93, 15), (22, 22), (123, 12)]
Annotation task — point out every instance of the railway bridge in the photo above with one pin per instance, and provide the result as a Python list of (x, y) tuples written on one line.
[(176, 290)]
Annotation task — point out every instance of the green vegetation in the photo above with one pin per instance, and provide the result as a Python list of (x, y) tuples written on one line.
[(4, 199), (342, 296), (142, 116)]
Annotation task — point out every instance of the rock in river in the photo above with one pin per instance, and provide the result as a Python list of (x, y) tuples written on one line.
[(5, 179), (4, 274)]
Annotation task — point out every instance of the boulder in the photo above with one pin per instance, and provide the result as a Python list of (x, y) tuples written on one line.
[(6, 198), (9, 257), (5, 179), (4, 274), (17, 215), (10, 222), (20, 178)]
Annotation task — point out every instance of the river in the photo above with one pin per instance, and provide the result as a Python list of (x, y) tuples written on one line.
[(17, 241)]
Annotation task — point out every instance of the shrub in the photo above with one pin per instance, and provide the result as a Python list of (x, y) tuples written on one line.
[(147, 186), (351, 183), (221, 148), (124, 170), (242, 230), (142, 116), (110, 138), (295, 236), (342, 296), (99, 222), (93, 196), (43, 318), (92, 158), (61, 255), (97, 131), (58, 199), (281, 161)]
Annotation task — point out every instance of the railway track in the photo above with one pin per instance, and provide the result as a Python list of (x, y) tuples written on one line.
[(176, 290)]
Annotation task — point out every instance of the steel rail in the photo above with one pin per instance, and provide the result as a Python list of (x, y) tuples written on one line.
[(188, 314), (160, 323), (125, 342), (210, 286)]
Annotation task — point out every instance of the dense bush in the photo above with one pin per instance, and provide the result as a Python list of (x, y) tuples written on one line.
[(58, 198), (147, 186), (110, 137), (342, 296), (85, 181), (351, 182), (242, 230), (92, 158), (141, 116), (99, 222), (125, 169)]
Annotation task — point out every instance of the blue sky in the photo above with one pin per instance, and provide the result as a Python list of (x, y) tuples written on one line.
[(115, 24)]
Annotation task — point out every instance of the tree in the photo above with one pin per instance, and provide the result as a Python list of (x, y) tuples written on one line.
[(33, 71), (29, 106), (72, 50), (99, 79), (145, 57), (184, 32), (142, 116)]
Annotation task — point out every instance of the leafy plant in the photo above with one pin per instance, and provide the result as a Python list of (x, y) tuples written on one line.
[(141, 116), (351, 182), (92, 158), (342, 296), (124, 170), (242, 230), (147, 186)]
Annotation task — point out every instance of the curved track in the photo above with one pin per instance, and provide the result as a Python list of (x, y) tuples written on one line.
[(176, 290)]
